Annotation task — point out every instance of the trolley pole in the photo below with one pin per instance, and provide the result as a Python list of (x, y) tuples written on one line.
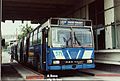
[(0, 37)]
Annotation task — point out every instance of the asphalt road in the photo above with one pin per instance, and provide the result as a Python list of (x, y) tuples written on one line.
[(9, 73)]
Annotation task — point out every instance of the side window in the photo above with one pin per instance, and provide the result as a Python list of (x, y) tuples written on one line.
[(18, 47), (24, 41), (31, 38), (35, 37), (39, 36)]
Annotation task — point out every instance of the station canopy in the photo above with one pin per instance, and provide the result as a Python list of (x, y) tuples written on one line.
[(36, 10)]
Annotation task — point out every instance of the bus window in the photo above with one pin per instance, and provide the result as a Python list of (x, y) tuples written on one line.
[(24, 41), (83, 36), (39, 36), (60, 36), (35, 37), (31, 38), (75, 37)]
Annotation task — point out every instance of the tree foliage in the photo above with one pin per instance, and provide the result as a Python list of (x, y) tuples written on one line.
[(24, 30)]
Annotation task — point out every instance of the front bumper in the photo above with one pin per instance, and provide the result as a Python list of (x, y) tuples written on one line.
[(71, 67)]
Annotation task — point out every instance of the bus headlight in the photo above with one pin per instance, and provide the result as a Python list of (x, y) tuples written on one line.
[(56, 62), (89, 61)]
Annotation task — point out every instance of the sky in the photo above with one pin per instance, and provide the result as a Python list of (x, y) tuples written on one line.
[(10, 28)]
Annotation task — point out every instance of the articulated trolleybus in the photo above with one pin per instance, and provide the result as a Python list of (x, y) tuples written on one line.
[(59, 44)]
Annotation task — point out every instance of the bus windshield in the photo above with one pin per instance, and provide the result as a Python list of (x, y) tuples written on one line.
[(71, 37)]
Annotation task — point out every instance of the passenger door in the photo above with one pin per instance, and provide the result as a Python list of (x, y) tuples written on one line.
[(44, 44)]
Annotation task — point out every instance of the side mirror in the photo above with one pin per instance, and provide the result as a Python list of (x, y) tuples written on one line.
[(3, 42)]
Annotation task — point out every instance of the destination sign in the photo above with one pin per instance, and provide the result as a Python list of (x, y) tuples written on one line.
[(71, 23)]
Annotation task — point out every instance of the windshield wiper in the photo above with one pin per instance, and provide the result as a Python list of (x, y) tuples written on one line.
[(67, 41), (76, 40)]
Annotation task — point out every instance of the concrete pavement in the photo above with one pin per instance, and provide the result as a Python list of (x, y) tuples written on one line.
[(13, 72)]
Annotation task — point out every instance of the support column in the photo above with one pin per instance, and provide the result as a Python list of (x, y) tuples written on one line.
[(109, 18), (87, 12), (0, 37)]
